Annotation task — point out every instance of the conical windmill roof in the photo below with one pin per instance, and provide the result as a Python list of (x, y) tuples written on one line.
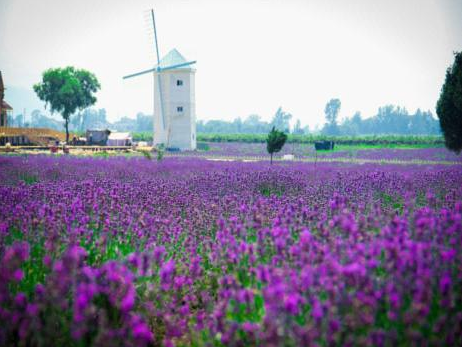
[(173, 58)]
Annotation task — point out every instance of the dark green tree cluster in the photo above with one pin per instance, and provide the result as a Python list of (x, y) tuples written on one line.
[(449, 106), (275, 141)]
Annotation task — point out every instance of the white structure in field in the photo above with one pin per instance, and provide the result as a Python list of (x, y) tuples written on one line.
[(119, 139), (176, 100)]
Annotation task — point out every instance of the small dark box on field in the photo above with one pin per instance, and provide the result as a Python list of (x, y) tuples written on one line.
[(324, 145)]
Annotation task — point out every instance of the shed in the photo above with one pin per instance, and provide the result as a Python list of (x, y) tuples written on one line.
[(324, 145), (97, 137), (119, 139)]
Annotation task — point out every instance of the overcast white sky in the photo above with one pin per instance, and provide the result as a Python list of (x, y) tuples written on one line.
[(253, 55)]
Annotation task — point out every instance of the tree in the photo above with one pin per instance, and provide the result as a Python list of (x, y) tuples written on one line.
[(297, 128), (144, 122), (275, 141), (237, 125), (449, 106), (76, 122), (67, 90), (281, 120), (331, 111), (39, 120), (423, 123), (254, 124), (125, 124), (351, 126), (392, 120)]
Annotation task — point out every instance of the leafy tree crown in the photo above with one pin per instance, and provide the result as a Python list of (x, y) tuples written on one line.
[(67, 89), (275, 141)]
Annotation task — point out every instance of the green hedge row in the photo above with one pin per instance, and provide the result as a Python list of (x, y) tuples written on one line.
[(309, 139), (342, 140)]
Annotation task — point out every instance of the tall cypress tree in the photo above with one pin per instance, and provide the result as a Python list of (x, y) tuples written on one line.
[(449, 106), (275, 141)]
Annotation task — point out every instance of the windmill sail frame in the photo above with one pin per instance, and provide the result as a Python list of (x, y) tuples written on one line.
[(158, 69)]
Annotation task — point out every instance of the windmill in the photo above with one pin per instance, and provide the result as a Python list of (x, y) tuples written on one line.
[(174, 105)]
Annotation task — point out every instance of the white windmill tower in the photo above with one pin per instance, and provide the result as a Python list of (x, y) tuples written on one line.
[(174, 99)]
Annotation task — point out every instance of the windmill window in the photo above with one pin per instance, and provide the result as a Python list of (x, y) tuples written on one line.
[(179, 82), (179, 109)]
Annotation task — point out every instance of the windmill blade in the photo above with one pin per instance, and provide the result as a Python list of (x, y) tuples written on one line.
[(171, 67), (159, 81), (155, 37), (140, 73)]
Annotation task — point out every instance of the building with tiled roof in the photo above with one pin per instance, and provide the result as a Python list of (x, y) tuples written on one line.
[(5, 108)]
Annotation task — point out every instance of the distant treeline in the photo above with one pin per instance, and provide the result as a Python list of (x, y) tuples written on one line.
[(388, 120), (343, 140), (87, 119)]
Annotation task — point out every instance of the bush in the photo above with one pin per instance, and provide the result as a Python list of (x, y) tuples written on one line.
[(203, 146), (341, 140), (142, 136), (146, 154), (311, 139)]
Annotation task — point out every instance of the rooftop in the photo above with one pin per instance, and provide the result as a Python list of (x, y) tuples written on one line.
[(173, 58), (6, 106), (119, 136)]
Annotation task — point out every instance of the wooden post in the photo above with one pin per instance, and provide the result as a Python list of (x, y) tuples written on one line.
[(315, 162)]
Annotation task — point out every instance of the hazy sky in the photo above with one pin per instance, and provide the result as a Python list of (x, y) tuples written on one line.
[(253, 55)]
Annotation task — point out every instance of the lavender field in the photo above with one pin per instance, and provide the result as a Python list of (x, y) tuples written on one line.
[(306, 151), (191, 252)]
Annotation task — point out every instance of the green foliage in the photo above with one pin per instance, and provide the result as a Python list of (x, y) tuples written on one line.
[(28, 178), (391, 202), (146, 154), (142, 136), (269, 189), (102, 154), (275, 141), (449, 106), (67, 90), (430, 140), (203, 146), (160, 154), (367, 140), (247, 312)]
